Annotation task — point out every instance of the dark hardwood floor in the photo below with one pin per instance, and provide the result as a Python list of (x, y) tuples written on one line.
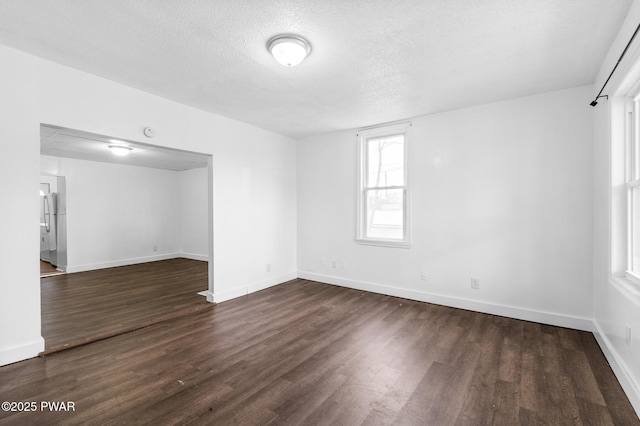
[(47, 270), (87, 306), (310, 353)]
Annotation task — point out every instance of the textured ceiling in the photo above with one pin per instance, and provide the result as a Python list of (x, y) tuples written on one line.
[(372, 61)]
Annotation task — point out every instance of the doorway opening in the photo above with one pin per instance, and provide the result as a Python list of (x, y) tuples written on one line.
[(139, 244)]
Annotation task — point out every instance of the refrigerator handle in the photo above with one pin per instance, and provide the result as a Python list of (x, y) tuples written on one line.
[(47, 210)]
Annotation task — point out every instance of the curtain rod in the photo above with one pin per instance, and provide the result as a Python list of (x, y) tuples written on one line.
[(600, 95)]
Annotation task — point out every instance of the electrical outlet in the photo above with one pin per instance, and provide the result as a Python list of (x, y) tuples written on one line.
[(423, 275), (268, 267), (343, 265), (627, 334), (155, 248), (323, 260), (475, 283), (334, 264)]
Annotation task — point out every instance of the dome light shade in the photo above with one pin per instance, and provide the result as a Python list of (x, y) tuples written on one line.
[(289, 49), (120, 150)]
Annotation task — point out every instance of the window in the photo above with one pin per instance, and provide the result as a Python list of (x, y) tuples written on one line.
[(383, 217), (632, 180), (623, 121)]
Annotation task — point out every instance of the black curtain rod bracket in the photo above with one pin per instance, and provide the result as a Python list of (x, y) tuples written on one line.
[(595, 101)]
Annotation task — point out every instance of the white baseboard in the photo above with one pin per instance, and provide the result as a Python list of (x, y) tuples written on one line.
[(629, 384), (578, 323), (208, 295), (223, 296), (193, 256), (134, 261), (22, 352)]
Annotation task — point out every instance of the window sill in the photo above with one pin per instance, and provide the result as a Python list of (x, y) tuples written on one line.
[(627, 287), (384, 243), (632, 278)]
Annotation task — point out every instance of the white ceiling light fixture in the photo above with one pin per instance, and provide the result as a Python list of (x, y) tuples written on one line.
[(120, 150), (289, 49)]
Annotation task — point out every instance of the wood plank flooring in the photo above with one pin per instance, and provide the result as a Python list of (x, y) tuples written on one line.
[(47, 270), (308, 353), (87, 306)]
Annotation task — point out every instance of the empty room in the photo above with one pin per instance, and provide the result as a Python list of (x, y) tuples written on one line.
[(402, 213)]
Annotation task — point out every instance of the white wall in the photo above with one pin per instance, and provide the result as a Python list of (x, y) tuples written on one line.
[(615, 305), (116, 214), (193, 214), (19, 182), (500, 192), (254, 181)]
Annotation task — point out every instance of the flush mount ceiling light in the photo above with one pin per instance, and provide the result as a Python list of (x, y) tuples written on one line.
[(289, 49), (120, 150)]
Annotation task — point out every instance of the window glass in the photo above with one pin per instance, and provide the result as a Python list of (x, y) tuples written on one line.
[(383, 217), (633, 231), (385, 165), (385, 213)]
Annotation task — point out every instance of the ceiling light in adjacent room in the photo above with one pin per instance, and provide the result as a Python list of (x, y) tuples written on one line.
[(289, 49), (120, 150)]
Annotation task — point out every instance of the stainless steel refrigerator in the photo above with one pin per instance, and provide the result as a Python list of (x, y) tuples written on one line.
[(53, 221)]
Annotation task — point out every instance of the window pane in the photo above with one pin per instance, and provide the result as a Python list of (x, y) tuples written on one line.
[(385, 161), (385, 213), (634, 230), (635, 143)]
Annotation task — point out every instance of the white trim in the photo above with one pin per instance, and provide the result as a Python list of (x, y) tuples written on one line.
[(550, 318), (193, 256), (123, 262), (618, 193), (385, 188), (385, 128), (384, 243), (223, 296), (207, 294), (210, 266), (261, 285), (630, 291), (632, 278), (134, 261), (363, 135), (629, 385), (22, 352)]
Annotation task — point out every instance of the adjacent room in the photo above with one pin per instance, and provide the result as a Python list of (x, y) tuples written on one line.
[(327, 212), (125, 225)]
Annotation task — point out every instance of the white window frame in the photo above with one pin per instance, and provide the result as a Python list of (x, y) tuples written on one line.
[(632, 180), (623, 125), (363, 137)]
